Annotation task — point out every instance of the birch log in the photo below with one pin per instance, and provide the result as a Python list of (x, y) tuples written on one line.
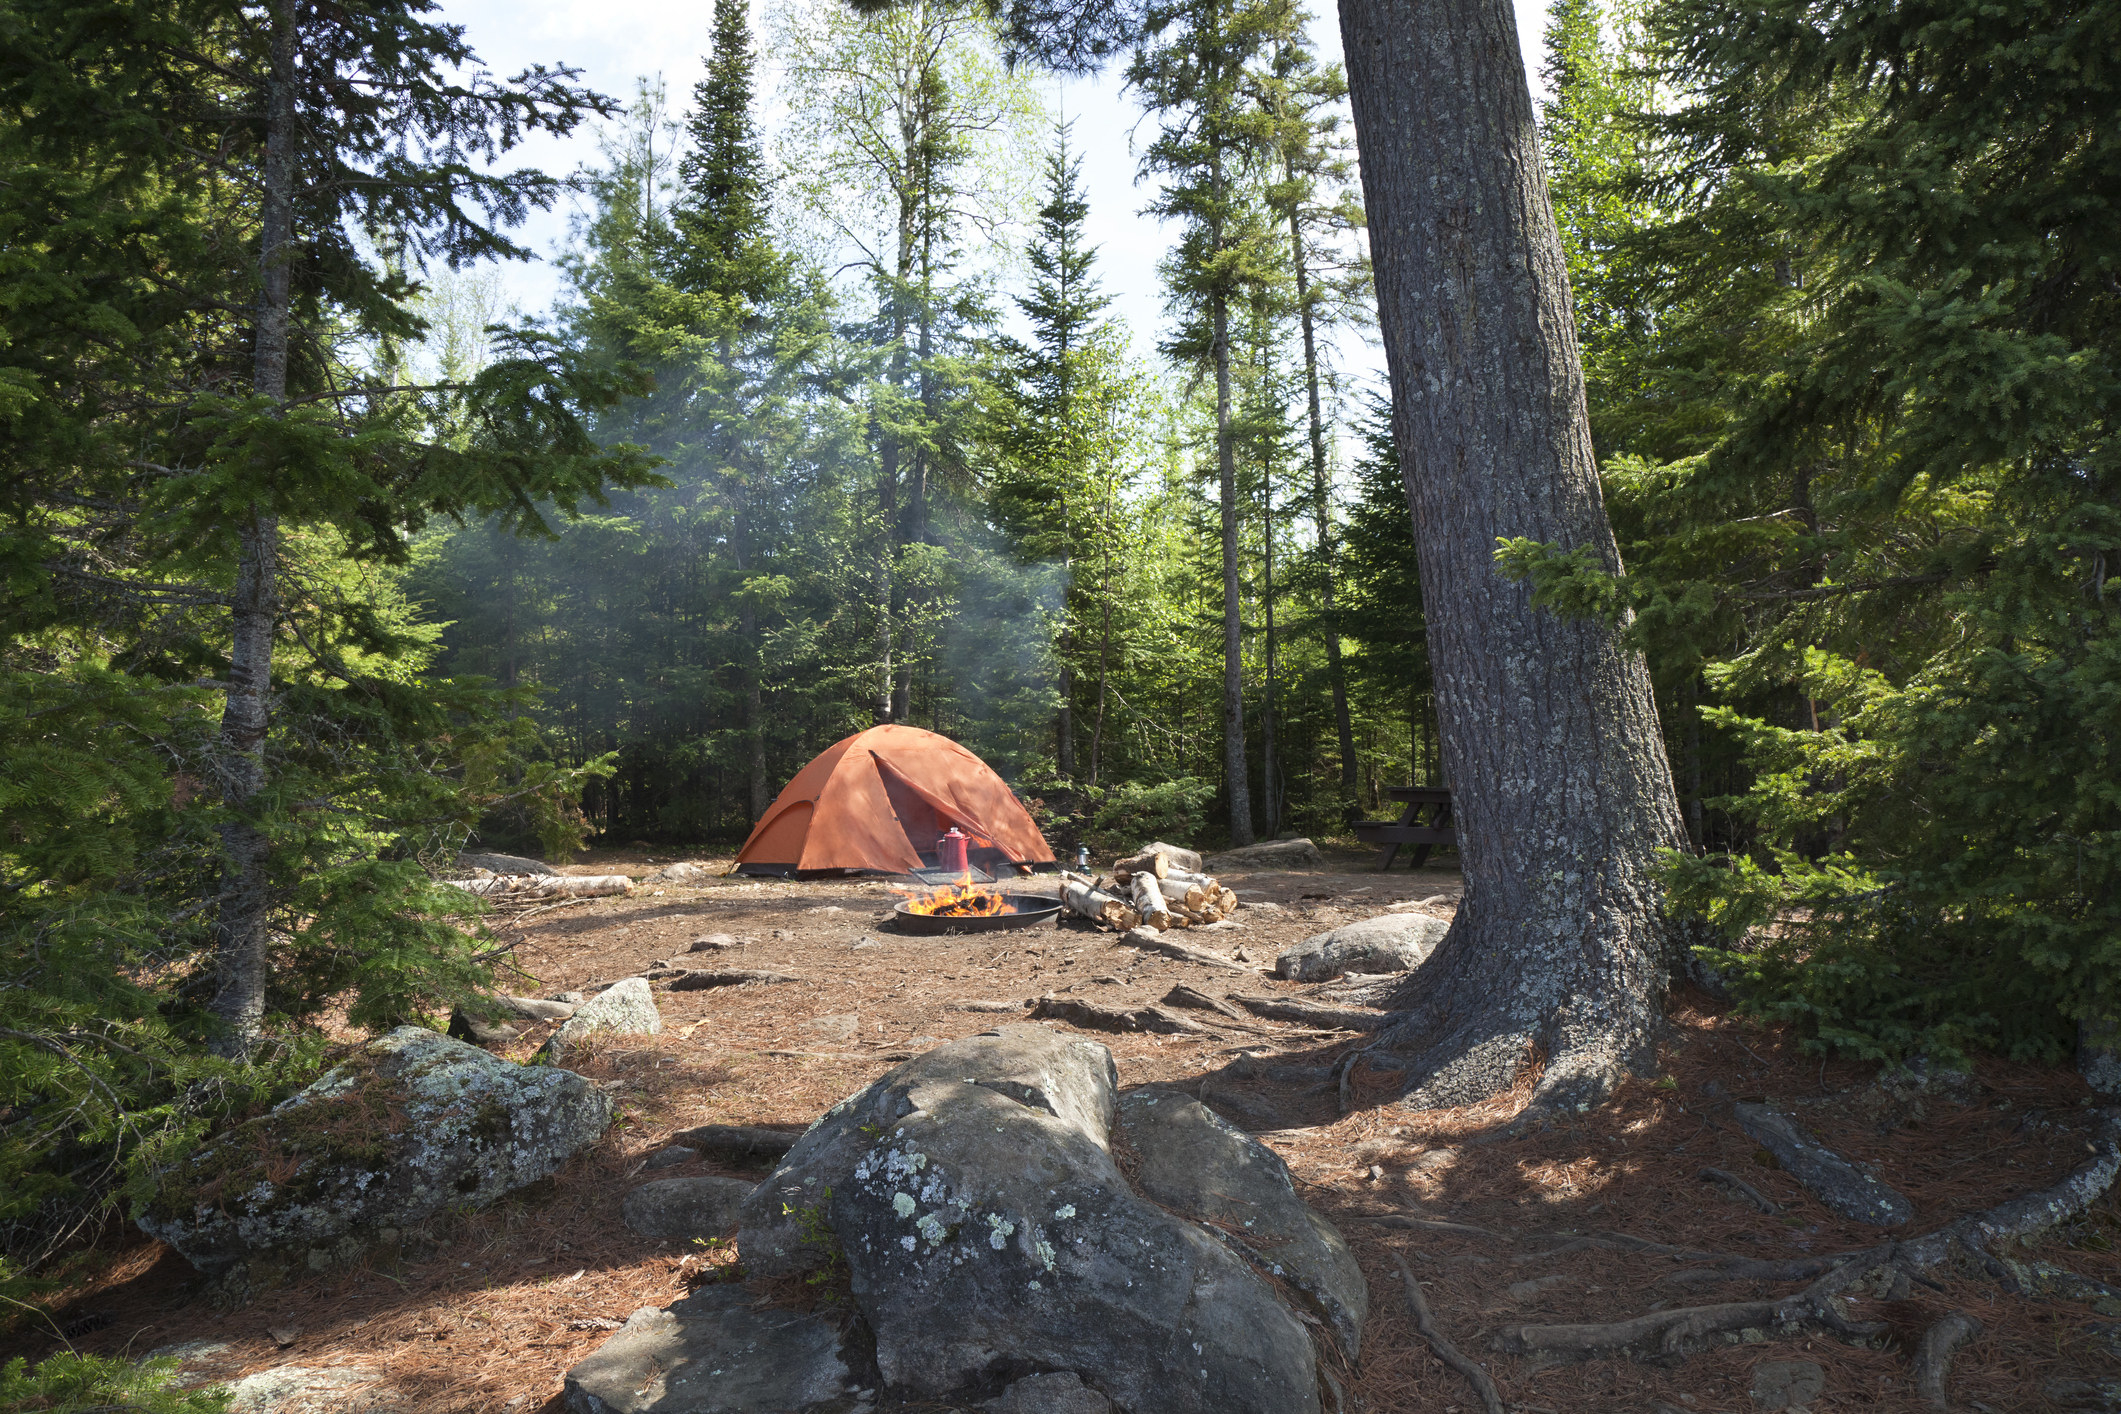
[(541, 886), (1149, 902)]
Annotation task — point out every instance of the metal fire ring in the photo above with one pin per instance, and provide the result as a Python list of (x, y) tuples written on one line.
[(1031, 910)]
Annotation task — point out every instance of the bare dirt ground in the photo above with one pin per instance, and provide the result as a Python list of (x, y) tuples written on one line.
[(486, 1312)]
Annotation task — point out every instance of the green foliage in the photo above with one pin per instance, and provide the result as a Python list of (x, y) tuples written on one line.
[(1863, 468), (93, 1384), (1130, 815)]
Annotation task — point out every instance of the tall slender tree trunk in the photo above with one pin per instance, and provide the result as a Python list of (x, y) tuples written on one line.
[(1322, 510), (1234, 767), (1550, 735), (1269, 762), (242, 921)]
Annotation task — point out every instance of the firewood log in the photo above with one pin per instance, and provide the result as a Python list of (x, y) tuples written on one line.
[(1145, 863), (1180, 894), (1229, 901), (1149, 902), (1085, 902)]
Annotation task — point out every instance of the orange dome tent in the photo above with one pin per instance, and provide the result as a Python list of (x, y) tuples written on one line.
[(880, 800)]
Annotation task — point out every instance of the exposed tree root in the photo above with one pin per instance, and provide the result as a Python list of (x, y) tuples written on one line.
[(1335, 1018), (1738, 1187), (1933, 1358), (1666, 1335), (1490, 1397)]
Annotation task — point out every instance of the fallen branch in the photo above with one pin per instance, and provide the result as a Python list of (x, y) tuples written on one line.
[(522, 887), (1933, 1357), (1483, 1386), (1333, 1018)]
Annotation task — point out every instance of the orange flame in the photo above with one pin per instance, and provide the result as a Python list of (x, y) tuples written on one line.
[(960, 900)]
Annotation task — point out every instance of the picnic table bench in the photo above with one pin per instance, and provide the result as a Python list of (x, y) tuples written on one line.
[(1424, 824)]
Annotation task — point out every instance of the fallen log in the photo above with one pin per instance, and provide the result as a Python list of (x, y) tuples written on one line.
[(1150, 940), (738, 1143), (1080, 899), (1151, 862), (1181, 894), (1092, 1017), (1333, 1018), (691, 981), (542, 886)]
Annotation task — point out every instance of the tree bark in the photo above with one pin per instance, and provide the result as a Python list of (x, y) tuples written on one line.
[(1233, 607), (1322, 509), (242, 918), (1550, 734)]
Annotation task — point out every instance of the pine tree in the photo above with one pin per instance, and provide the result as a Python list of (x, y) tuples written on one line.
[(1330, 290), (1196, 72), (1887, 477), (1054, 428)]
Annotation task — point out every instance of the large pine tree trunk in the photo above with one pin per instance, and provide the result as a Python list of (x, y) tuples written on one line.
[(242, 917), (1550, 737)]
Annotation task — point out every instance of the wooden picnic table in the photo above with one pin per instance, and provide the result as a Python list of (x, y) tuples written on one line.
[(1424, 824)]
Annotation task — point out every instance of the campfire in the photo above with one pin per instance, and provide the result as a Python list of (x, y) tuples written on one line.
[(960, 900)]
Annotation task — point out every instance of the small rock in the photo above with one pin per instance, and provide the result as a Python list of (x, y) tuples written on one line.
[(299, 1389), (1393, 942), (1062, 1393), (1830, 1178), (715, 942), (1785, 1384), (1274, 854), (670, 1157), (624, 1008), (681, 1209), (712, 1353), (864, 944)]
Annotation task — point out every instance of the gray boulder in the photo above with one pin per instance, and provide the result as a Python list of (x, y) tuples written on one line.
[(413, 1124), (1060, 1393), (1833, 1180), (504, 864), (985, 1225), (626, 1008), (1194, 1161), (681, 1209), (1392, 942), (1274, 854), (714, 1353)]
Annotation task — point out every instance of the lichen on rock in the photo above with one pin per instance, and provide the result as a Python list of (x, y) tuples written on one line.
[(410, 1126)]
